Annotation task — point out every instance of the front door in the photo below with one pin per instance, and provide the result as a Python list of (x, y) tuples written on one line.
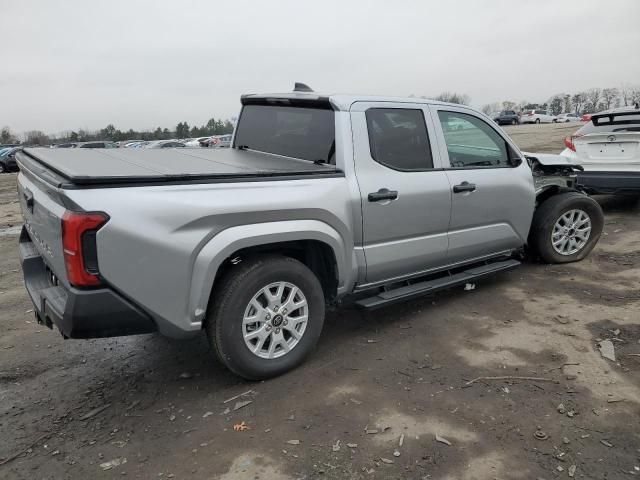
[(492, 189), (406, 197)]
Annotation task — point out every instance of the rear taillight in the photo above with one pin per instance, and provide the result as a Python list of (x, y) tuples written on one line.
[(568, 142), (79, 246)]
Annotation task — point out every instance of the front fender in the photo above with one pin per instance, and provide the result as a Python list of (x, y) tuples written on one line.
[(232, 239)]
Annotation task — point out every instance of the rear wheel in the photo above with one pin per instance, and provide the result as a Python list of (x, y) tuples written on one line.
[(537, 120), (514, 122), (266, 317), (2, 168), (566, 227)]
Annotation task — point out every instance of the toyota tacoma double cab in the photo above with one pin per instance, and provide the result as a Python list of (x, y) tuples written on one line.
[(320, 197)]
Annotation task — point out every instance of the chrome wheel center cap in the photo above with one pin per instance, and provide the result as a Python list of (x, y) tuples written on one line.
[(277, 321)]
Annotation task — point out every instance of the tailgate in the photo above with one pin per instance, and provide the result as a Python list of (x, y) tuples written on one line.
[(609, 149), (42, 211)]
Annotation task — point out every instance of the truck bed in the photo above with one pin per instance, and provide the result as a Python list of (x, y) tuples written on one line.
[(121, 166)]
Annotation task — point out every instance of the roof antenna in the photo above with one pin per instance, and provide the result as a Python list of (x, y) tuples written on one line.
[(302, 87)]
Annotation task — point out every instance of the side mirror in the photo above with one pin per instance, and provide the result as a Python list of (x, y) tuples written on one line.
[(514, 159)]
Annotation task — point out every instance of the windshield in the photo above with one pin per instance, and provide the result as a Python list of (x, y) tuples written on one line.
[(298, 132)]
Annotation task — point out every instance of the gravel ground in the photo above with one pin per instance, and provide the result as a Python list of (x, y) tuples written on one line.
[(397, 393)]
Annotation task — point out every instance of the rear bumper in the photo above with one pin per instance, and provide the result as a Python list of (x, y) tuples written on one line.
[(78, 313), (615, 183)]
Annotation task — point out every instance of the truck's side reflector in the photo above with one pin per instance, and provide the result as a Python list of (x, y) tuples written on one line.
[(77, 228)]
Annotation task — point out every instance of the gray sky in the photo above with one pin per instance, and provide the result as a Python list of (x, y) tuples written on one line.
[(140, 64)]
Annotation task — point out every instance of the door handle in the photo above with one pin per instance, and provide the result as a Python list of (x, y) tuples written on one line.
[(383, 194), (464, 187)]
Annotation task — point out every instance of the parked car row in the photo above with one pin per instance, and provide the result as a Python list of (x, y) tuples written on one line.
[(511, 117), (8, 162), (216, 141)]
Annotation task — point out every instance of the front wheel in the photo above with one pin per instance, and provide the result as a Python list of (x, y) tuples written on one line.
[(266, 316), (566, 227), (537, 120), (2, 168)]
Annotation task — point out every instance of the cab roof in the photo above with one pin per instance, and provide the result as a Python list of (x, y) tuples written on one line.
[(339, 102)]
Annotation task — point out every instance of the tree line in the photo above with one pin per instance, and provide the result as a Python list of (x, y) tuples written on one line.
[(589, 101), (111, 133)]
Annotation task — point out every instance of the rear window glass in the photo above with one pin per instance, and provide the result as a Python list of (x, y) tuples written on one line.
[(398, 138), (298, 132)]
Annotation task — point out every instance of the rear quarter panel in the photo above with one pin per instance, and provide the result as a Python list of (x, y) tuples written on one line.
[(155, 234)]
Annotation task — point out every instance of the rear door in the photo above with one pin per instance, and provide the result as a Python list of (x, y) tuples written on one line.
[(405, 194), (492, 187)]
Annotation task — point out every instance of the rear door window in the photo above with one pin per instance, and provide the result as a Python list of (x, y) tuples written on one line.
[(398, 138)]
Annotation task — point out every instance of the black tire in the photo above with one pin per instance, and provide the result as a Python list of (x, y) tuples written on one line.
[(550, 211), (537, 120), (226, 312), (514, 122), (3, 169)]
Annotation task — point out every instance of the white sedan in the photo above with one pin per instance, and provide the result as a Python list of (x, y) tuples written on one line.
[(536, 116), (568, 117)]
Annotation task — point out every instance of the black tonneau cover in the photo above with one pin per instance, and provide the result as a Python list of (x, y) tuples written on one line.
[(118, 166)]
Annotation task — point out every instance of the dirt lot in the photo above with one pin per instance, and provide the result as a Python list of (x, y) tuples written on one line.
[(398, 375)]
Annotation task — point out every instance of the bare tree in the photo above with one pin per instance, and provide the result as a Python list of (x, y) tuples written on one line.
[(6, 136), (35, 137), (634, 95), (508, 105), (578, 100), (593, 99), (567, 103), (489, 108), (625, 94), (453, 97), (555, 104), (609, 96)]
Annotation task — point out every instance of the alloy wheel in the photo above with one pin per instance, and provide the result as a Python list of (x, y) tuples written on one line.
[(275, 320)]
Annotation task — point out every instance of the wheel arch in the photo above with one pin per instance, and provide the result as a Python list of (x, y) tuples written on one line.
[(314, 243)]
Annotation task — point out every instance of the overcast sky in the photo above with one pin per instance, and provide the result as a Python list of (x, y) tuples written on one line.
[(140, 64)]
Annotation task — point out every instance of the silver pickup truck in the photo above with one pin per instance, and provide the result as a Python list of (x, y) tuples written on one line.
[(319, 197)]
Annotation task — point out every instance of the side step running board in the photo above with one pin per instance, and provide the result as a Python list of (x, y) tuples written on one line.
[(429, 286)]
